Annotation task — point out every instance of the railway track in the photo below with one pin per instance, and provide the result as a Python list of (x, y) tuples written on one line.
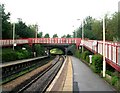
[(41, 81), (12, 73)]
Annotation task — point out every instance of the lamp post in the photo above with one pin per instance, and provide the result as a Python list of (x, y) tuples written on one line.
[(104, 63), (78, 19), (74, 33), (82, 35), (36, 28), (13, 35)]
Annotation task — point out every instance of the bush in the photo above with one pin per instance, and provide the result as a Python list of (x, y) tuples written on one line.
[(114, 80), (118, 84), (97, 63), (87, 58), (19, 55), (24, 53), (77, 53), (10, 55), (85, 54), (40, 50), (109, 72)]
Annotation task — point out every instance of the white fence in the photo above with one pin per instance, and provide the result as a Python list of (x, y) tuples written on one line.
[(112, 50)]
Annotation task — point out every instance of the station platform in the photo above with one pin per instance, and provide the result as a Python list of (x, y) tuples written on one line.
[(20, 61), (84, 79), (76, 76)]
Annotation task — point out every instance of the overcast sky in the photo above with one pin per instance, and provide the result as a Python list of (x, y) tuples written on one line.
[(58, 16)]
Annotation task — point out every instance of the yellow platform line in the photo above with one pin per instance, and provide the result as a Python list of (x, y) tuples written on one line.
[(68, 85)]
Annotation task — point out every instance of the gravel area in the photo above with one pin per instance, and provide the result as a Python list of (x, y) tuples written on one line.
[(14, 83)]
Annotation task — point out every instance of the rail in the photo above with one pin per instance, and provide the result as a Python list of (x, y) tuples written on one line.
[(42, 81), (21, 81), (9, 70)]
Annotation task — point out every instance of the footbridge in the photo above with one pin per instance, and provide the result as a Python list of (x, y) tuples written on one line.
[(112, 49)]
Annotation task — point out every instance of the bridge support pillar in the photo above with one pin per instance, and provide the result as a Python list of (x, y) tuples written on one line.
[(33, 50), (77, 46), (66, 50), (48, 51)]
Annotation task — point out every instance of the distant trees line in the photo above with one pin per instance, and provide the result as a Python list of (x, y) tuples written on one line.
[(92, 28), (21, 29)]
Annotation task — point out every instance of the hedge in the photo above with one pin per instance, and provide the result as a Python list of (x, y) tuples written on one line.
[(97, 63), (77, 53), (85, 55), (10, 55)]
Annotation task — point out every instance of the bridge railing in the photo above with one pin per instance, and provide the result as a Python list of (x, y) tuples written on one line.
[(55, 40), (10, 42), (112, 50)]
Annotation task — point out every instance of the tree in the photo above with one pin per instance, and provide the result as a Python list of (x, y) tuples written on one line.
[(112, 27), (39, 49), (6, 25), (47, 36), (68, 36), (21, 29), (24, 31), (55, 35), (88, 23), (91, 29), (74, 34), (40, 34), (88, 32), (97, 29), (118, 31), (64, 36), (32, 30), (79, 32)]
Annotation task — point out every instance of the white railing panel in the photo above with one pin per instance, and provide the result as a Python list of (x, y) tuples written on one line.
[(67, 41), (106, 52), (118, 56), (58, 40), (114, 54), (110, 53), (99, 48)]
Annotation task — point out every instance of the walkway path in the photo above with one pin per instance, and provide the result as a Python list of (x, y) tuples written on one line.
[(85, 80)]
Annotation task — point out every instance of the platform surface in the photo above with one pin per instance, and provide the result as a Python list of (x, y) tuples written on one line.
[(84, 79)]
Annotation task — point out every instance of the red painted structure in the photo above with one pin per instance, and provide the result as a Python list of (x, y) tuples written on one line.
[(31, 41), (112, 52), (112, 49)]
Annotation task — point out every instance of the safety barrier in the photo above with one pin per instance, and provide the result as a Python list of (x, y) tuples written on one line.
[(112, 51)]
